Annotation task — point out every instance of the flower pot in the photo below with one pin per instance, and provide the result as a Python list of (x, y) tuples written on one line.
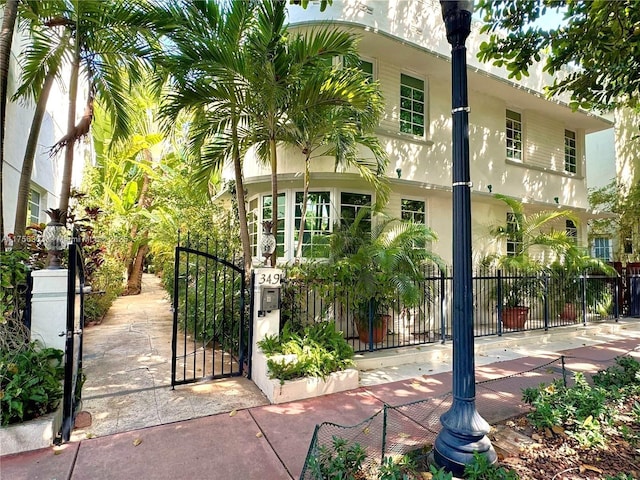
[(569, 312), (514, 317), (380, 325)]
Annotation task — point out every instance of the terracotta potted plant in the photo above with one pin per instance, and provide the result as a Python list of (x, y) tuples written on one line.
[(376, 268)]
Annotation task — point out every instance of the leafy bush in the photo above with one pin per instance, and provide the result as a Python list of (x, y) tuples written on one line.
[(340, 462), (30, 382), (579, 409), (106, 285), (481, 469), (320, 350), (625, 374)]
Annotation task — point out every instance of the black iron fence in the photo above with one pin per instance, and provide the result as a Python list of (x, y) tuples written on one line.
[(503, 302)]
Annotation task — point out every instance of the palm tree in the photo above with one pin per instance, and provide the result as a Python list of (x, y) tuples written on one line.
[(207, 67), (284, 81), (101, 40), (6, 38), (338, 131)]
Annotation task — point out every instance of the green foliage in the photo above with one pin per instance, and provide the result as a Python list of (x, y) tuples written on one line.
[(342, 461), (13, 274), (579, 410), (381, 264), (601, 39), (621, 378), (620, 476), (403, 469), (30, 382), (106, 285), (482, 469), (319, 348), (626, 207)]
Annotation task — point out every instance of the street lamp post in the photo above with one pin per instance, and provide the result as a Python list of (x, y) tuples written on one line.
[(463, 429)]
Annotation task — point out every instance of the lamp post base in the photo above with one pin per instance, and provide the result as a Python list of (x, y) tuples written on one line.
[(464, 433)]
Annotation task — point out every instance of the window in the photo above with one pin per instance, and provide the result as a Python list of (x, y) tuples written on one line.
[(411, 105), (514, 136), (367, 69), (570, 151), (572, 231), (350, 205), (317, 223), (267, 206), (602, 249), (514, 235), (34, 207), (252, 224), (413, 211)]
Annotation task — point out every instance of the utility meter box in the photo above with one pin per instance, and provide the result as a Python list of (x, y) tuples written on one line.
[(269, 298)]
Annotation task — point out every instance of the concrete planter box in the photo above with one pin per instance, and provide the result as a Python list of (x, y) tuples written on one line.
[(301, 388), (32, 434)]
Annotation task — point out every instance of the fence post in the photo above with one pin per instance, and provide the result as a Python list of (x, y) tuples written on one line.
[(616, 302), (583, 284), (499, 295), (384, 432), (371, 317), (442, 307), (546, 301)]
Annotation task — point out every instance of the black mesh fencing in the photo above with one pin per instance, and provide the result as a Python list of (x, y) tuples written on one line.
[(396, 430)]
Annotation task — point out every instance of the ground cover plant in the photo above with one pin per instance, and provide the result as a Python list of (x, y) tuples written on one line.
[(30, 382), (318, 347)]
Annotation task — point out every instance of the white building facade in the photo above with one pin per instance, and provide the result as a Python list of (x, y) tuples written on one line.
[(521, 144)]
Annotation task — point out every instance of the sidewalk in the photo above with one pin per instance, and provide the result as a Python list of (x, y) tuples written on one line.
[(270, 442)]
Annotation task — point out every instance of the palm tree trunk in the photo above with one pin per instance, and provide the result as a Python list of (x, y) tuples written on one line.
[(71, 129), (134, 280), (6, 39), (24, 189), (303, 210), (240, 199), (274, 196)]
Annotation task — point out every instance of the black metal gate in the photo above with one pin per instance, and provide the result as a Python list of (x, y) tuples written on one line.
[(210, 318), (73, 377)]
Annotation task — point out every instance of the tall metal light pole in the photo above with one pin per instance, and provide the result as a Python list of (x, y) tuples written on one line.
[(463, 429)]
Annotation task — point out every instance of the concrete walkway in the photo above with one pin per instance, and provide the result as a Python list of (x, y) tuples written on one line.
[(127, 362)]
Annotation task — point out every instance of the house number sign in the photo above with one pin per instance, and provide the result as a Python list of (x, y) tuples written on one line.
[(269, 279)]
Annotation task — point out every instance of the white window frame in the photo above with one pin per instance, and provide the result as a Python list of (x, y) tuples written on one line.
[(513, 240), (570, 151), (424, 106), (572, 230), (515, 126), (31, 217), (296, 228)]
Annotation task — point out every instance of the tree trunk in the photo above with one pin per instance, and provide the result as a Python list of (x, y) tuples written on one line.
[(274, 196), (71, 128), (134, 280), (6, 39), (136, 255), (245, 241), (24, 189), (303, 210)]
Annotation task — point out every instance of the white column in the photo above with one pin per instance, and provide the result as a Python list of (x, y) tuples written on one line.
[(265, 322), (49, 307)]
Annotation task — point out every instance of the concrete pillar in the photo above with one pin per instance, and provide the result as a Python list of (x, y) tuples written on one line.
[(265, 322), (49, 307)]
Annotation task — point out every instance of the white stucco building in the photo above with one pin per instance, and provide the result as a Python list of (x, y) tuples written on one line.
[(521, 144)]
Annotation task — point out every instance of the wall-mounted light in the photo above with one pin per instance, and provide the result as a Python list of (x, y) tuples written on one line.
[(399, 172), (490, 188), (556, 199)]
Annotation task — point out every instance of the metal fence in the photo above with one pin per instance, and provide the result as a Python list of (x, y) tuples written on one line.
[(545, 301)]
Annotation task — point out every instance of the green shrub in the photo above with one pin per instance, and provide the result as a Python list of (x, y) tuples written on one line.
[(481, 469), (621, 377), (320, 350), (579, 409), (106, 285), (343, 461), (30, 382)]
